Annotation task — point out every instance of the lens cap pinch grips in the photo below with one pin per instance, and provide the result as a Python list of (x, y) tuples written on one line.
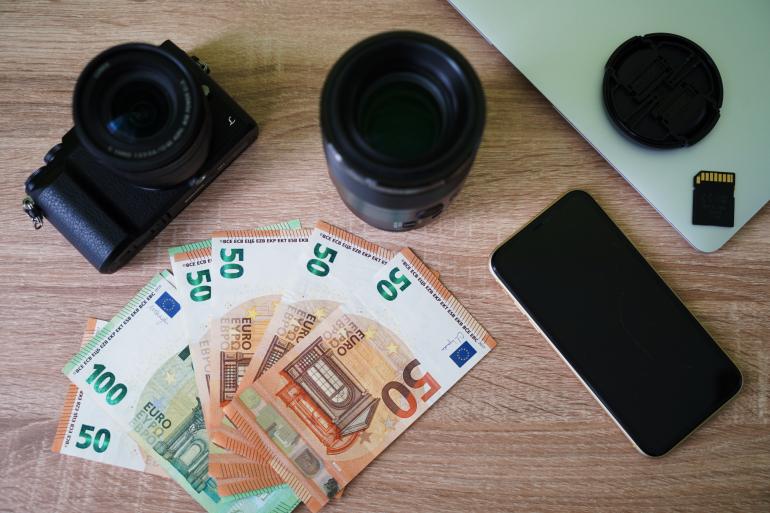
[(662, 90)]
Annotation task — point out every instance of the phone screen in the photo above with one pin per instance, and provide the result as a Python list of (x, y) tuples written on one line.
[(616, 322)]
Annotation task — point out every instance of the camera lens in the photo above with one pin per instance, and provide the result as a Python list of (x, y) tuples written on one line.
[(402, 114), (138, 110)]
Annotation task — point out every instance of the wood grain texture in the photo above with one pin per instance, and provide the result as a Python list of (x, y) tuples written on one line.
[(519, 433)]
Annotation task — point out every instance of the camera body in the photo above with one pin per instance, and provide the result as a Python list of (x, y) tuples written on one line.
[(109, 217)]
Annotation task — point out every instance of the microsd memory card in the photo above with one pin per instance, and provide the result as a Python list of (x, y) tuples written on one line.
[(713, 198)]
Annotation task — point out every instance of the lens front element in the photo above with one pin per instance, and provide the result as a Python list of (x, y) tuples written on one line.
[(400, 117), (138, 110)]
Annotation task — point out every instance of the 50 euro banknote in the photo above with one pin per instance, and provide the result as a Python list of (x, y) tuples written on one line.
[(328, 269), (85, 431), (138, 369), (358, 380), (191, 264), (248, 275), (324, 274)]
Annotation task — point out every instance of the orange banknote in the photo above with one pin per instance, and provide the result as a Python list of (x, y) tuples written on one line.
[(359, 379), (247, 280), (329, 268)]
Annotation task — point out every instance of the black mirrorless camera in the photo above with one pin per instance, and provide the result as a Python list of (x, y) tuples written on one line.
[(152, 130)]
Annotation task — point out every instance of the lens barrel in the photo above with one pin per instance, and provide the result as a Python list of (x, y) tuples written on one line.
[(139, 111), (402, 115)]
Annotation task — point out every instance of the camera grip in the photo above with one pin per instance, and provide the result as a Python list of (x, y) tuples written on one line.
[(82, 221)]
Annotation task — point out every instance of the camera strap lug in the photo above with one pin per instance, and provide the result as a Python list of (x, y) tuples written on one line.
[(33, 211), (202, 65)]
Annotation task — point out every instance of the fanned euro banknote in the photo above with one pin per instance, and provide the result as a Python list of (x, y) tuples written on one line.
[(191, 266), (138, 369), (248, 272), (271, 368), (324, 274)]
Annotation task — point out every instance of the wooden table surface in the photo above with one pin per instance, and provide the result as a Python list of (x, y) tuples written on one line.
[(519, 433)]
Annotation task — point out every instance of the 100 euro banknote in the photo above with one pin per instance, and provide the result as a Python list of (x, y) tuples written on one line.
[(138, 369), (359, 379), (86, 431)]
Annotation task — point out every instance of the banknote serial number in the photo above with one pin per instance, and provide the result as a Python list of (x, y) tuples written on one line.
[(263, 240), (353, 248)]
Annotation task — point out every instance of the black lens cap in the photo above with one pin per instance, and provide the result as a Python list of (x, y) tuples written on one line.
[(662, 90)]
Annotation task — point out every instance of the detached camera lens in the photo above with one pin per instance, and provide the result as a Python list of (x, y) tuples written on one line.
[(402, 115), (139, 111)]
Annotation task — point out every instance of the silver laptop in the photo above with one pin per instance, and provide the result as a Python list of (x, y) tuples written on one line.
[(563, 46)]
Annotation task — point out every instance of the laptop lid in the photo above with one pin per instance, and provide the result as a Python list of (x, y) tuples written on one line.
[(562, 48)]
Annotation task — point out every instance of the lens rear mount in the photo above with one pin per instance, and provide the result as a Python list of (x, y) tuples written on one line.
[(139, 110)]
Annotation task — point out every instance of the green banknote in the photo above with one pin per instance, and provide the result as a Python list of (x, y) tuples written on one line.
[(139, 370)]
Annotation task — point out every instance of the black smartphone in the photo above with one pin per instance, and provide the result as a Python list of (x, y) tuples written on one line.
[(616, 323)]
